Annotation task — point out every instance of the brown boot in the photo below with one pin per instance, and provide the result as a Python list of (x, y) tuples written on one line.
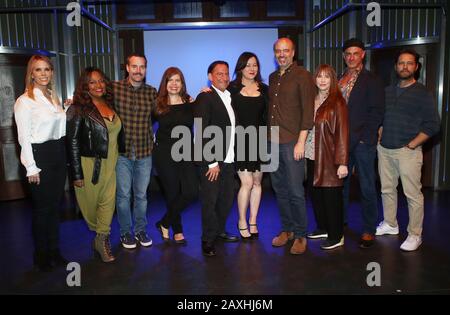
[(282, 239), (103, 248), (299, 246)]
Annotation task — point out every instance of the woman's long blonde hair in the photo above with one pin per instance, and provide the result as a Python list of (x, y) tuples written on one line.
[(29, 82)]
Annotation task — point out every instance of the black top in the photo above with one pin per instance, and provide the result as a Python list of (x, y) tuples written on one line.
[(235, 89), (250, 111), (178, 115)]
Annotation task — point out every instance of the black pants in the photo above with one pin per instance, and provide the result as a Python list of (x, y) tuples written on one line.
[(50, 157), (217, 199), (327, 205), (179, 181)]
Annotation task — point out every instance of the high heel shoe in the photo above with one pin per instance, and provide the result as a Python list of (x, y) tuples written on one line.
[(180, 241), (160, 229), (244, 238), (254, 235)]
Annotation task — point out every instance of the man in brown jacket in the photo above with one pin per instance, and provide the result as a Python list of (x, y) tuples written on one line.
[(291, 109)]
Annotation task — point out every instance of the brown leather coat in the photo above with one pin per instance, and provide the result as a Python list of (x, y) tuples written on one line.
[(331, 143)]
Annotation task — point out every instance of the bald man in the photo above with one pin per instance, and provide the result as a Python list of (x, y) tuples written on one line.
[(291, 109)]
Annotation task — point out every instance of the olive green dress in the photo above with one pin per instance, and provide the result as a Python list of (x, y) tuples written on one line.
[(97, 202)]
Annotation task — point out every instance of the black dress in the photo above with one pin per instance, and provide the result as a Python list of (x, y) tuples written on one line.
[(178, 178), (250, 111), (178, 115)]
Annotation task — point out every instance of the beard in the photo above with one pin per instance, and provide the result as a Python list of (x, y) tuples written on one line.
[(405, 77)]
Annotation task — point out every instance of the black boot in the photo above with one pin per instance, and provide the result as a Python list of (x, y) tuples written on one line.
[(42, 261), (56, 259)]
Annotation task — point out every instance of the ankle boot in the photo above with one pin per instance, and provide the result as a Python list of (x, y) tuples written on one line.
[(103, 248), (56, 259), (42, 261)]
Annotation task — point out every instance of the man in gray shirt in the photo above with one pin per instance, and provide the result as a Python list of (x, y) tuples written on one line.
[(410, 119)]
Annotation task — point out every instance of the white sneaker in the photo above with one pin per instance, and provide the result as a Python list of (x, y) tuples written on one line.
[(412, 243), (384, 228)]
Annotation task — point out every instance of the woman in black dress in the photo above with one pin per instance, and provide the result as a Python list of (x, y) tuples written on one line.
[(177, 173), (249, 98)]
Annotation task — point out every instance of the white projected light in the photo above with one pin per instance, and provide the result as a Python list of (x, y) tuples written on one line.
[(193, 51)]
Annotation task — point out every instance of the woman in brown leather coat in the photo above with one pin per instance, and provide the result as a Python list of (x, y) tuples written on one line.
[(328, 146)]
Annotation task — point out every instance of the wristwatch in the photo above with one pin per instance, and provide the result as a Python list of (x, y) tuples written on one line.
[(409, 147)]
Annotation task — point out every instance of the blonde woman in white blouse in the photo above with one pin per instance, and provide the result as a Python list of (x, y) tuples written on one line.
[(41, 128)]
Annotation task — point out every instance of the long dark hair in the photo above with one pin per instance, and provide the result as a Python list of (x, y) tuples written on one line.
[(242, 63), (334, 95), (81, 95), (162, 101)]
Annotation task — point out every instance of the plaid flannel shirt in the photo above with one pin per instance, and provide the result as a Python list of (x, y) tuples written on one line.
[(134, 106)]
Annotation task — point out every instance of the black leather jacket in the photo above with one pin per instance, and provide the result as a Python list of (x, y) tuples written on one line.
[(87, 135)]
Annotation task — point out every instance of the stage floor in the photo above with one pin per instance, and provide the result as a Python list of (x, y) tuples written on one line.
[(253, 267)]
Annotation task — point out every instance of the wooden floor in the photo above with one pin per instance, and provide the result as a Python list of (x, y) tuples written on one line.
[(239, 268)]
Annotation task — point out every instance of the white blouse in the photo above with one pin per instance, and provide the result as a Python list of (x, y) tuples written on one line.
[(37, 121)]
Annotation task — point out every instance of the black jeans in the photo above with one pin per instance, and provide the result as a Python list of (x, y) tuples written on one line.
[(50, 157), (179, 181), (314, 195), (217, 199), (327, 205)]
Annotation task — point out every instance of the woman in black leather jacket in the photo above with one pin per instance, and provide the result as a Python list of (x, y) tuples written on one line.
[(94, 138)]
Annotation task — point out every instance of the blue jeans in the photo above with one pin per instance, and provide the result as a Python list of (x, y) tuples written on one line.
[(363, 158), (287, 182), (132, 173)]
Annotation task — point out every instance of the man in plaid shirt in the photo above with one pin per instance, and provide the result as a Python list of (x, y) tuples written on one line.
[(133, 102)]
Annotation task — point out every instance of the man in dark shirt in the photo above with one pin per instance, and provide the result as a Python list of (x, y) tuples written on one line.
[(291, 108), (411, 118), (364, 93)]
